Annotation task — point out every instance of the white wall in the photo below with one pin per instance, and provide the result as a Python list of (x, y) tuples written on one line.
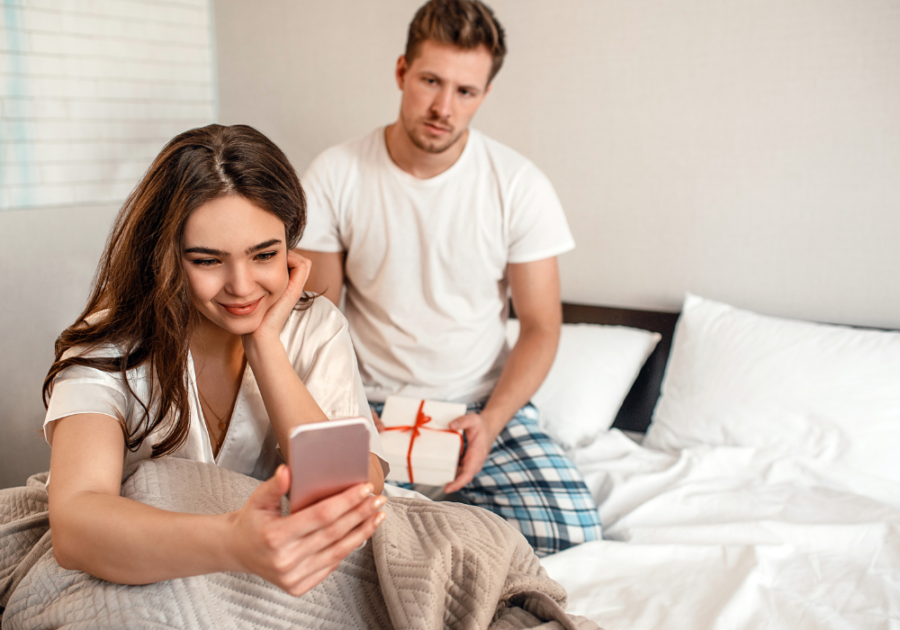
[(89, 93), (746, 151), (47, 260)]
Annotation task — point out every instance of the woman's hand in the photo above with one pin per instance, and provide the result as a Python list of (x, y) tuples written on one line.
[(297, 552), (274, 319)]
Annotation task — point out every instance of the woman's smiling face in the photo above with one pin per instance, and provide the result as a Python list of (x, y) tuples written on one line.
[(235, 258)]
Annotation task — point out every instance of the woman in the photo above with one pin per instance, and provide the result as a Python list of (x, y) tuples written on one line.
[(197, 342)]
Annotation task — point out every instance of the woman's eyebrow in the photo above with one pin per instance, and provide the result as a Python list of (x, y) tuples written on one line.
[(205, 250), (209, 251), (269, 243)]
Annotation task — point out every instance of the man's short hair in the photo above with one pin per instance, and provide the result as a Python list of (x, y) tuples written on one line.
[(462, 23)]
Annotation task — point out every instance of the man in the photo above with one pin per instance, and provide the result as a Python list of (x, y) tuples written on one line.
[(429, 224)]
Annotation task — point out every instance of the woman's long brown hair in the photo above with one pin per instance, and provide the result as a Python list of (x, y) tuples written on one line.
[(140, 302)]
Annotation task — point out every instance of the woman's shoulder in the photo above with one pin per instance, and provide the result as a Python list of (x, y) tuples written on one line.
[(103, 350), (105, 356), (101, 359), (321, 312), (100, 365), (317, 323)]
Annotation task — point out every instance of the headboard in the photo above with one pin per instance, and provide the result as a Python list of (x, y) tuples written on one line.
[(637, 409)]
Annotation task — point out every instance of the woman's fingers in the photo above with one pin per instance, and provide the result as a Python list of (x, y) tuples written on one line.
[(313, 568), (325, 512), (346, 527), (328, 520), (268, 494), (298, 270), (309, 581), (297, 552), (274, 319)]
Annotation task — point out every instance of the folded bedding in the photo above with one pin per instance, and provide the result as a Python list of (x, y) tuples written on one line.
[(718, 537), (429, 565)]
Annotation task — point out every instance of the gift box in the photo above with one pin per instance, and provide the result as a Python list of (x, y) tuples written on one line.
[(417, 441)]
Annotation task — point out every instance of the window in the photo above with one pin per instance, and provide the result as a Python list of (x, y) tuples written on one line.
[(91, 91)]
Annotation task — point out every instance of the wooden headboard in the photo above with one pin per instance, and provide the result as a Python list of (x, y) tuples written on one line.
[(636, 411)]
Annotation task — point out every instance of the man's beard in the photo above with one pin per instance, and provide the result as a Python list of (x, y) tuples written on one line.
[(431, 146)]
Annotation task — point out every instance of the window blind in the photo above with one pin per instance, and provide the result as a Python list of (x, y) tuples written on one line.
[(91, 90)]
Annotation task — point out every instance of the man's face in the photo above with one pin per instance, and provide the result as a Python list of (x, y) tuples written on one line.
[(442, 90)]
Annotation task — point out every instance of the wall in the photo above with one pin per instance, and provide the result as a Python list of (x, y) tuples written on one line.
[(89, 93), (47, 259), (744, 151), (747, 152)]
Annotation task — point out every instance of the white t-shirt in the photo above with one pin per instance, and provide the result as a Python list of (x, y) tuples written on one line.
[(426, 259), (318, 345)]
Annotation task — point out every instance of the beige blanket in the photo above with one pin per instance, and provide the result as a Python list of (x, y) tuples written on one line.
[(429, 565)]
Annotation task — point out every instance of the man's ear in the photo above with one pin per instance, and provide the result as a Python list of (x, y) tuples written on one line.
[(400, 71)]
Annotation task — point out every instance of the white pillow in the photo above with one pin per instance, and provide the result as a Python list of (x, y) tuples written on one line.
[(815, 390), (592, 373)]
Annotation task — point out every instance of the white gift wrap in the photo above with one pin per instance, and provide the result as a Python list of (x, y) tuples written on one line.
[(435, 454)]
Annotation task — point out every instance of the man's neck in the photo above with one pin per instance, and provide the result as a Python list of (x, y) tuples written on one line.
[(413, 160)]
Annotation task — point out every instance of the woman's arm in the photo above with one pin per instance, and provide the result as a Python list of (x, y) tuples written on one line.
[(120, 540), (288, 401)]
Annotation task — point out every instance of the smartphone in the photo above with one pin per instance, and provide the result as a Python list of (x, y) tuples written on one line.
[(327, 458)]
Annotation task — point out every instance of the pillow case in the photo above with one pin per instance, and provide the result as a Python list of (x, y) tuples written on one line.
[(594, 368), (815, 390)]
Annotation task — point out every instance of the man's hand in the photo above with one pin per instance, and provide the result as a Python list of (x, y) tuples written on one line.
[(479, 438)]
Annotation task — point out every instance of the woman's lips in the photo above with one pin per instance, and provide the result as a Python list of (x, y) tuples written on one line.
[(241, 309)]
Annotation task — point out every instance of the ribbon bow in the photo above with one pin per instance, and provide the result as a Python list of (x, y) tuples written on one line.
[(421, 421)]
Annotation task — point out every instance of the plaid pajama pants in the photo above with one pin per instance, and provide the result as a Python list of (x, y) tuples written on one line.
[(529, 481)]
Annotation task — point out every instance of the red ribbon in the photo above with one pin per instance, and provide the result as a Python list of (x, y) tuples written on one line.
[(421, 421)]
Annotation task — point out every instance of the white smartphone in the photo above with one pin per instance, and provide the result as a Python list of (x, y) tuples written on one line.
[(327, 458)]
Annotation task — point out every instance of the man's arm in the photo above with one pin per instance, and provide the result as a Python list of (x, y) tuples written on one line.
[(327, 274), (535, 295)]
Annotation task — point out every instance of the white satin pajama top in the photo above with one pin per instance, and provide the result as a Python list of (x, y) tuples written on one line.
[(318, 345)]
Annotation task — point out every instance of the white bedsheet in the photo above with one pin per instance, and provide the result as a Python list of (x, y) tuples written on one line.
[(721, 537)]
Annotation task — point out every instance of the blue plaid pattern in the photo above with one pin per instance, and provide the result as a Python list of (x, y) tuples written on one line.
[(530, 481)]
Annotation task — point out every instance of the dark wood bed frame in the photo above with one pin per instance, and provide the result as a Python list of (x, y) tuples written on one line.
[(637, 409)]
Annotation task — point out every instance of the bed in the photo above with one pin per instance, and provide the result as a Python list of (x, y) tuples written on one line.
[(747, 470), (767, 490)]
